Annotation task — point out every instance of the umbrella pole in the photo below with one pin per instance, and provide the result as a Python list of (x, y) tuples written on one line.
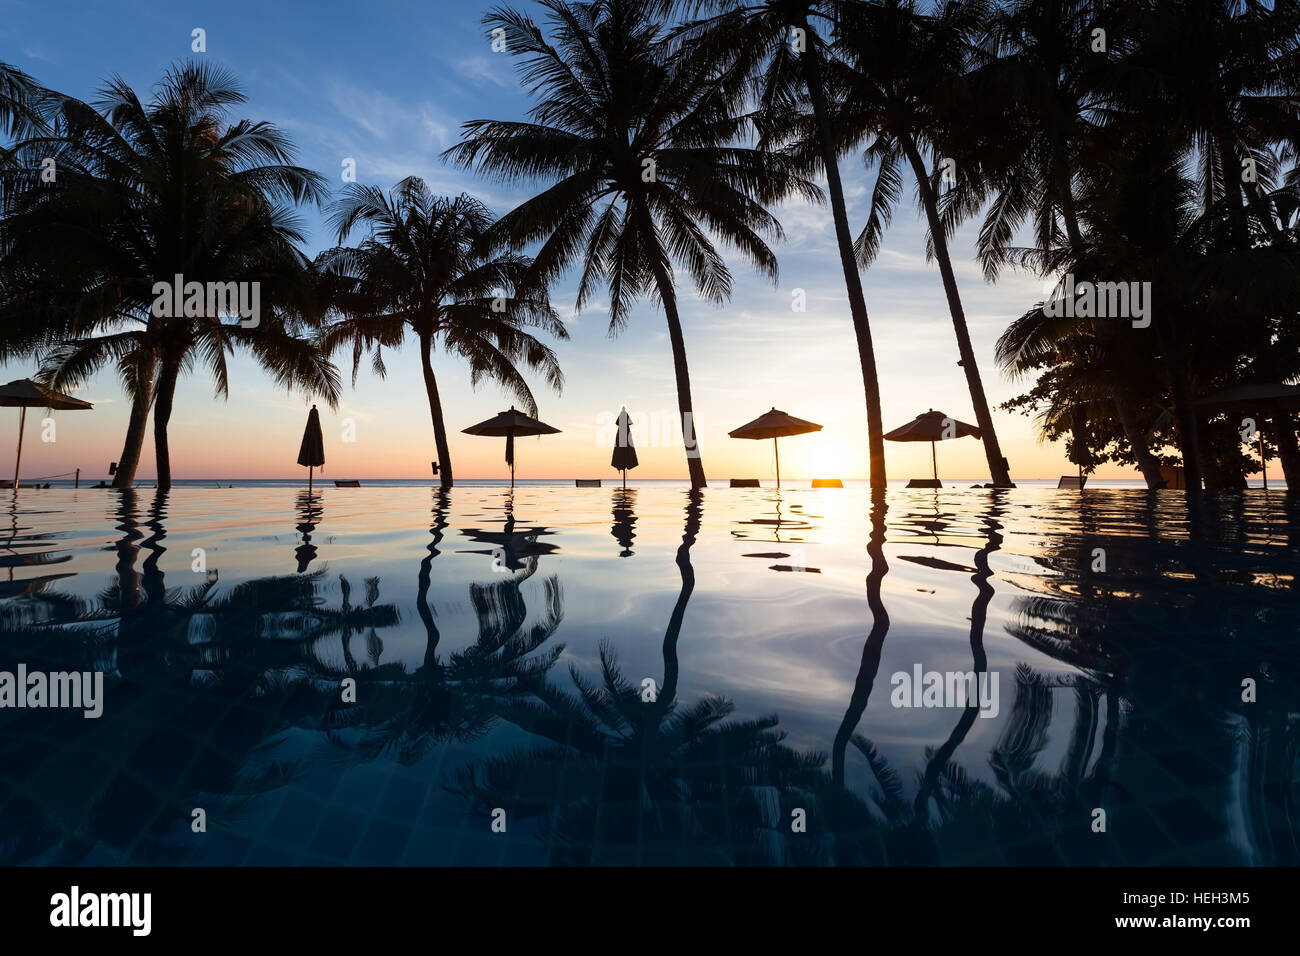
[(934, 462), (309, 471), (22, 424), (1264, 467), (777, 449)]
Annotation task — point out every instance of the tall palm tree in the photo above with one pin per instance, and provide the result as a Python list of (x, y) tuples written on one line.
[(1051, 94), (148, 192), (429, 265), (783, 46), (901, 72), (640, 152)]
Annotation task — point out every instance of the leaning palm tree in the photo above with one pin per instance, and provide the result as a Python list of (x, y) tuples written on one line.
[(901, 72), (782, 46), (429, 266), (641, 158), (146, 193)]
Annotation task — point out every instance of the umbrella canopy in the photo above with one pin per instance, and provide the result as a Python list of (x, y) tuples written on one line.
[(311, 453), (932, 426), (1257, 398), (624, 456), (509, 424), (24, 393), (774, 424), (1253, 398), (929, 426)]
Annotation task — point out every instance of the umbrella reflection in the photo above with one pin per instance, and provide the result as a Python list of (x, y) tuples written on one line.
[(309, 514), (624, 501), (514, 547), (799, 522)]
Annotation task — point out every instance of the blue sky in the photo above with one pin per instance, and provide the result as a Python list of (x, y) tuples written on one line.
[(388, 84)]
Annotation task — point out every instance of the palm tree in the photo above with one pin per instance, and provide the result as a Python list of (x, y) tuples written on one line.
[(21, 100), (640, 153), (429, 265), (901, 73), (1055, 88), (1223, 73), (146, 193), (780, 45)]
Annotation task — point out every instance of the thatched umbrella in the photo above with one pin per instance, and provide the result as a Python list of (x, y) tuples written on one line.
[(774, 425), (509, 424), (932, 426), (311, 453), (24, 393)]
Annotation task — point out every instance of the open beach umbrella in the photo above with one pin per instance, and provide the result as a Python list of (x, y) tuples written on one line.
[(774, 425), (311, 453), (624, 454), (1260, 398), (24, 393), (932, 426), (510, 424)]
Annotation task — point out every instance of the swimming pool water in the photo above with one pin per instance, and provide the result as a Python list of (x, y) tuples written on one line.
[(651, 677)]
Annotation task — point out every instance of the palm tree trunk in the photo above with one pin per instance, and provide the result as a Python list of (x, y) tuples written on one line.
[(162, 413), (1147, 463), (1184, 414), (848, 262), (998, 469), (137, 424), (667, 295), (1137, 440), (1288, 449), (435, 412)]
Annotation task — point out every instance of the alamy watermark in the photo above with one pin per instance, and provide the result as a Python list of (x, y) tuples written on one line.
[(178, 298), (946, 689), (76, 690), (1100, 300), (665, 429)]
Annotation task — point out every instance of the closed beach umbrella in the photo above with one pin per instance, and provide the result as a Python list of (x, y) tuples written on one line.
[(510, 424), (1260, 399), (932, 426), (624, 454), (311, 453), (24, 393), (775, 424)]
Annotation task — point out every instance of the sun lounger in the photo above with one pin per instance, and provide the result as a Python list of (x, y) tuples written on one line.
[(347, 482), (586, 482), (925, 483), (1072, 481), (827, 483), (744, 482)]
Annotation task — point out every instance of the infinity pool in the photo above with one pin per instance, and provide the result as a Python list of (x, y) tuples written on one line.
[(391, 675)]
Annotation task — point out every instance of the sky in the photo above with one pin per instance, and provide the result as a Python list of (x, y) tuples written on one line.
[(388, 84)]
